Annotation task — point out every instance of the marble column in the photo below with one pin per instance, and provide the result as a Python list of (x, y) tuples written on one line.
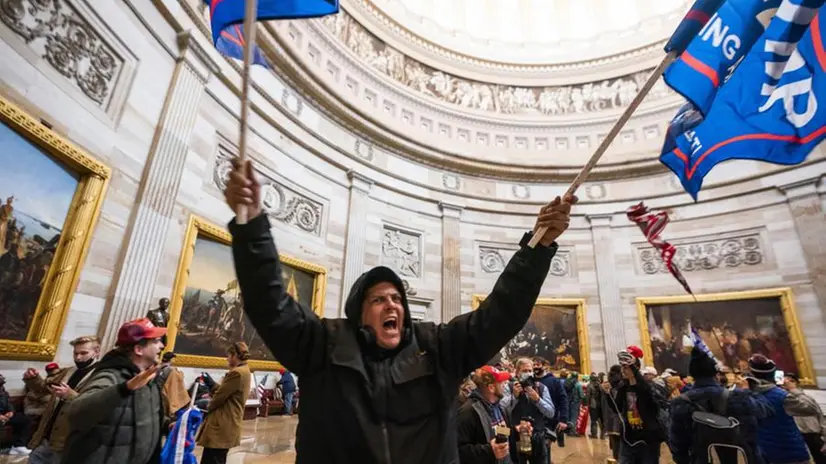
[(610, 303), (810, 221), (356, 244), (451, 262), (158, 190)]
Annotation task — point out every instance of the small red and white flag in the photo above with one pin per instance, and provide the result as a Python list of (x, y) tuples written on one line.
[(652, 226)]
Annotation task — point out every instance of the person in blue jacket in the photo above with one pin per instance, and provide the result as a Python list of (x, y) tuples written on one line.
[(287, 384)]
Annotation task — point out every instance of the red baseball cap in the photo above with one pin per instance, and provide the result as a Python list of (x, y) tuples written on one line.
[(140, 329), (498, 376), (51, 366)]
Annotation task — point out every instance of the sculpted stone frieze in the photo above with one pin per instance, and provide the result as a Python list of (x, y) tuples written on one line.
[(280, 202), (574, 99), (401, 250), (493, 260), (706, 255), (56, 32)]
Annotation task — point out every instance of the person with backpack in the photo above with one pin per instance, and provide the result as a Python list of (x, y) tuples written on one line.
[(711, 417), (780, 441), (642, 430)]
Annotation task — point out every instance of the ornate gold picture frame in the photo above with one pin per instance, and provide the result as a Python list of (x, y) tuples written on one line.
[(202, 320), (734, 325), (566, 346), (62, 256)]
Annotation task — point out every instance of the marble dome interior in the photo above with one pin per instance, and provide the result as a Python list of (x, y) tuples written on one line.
[(419, 134)]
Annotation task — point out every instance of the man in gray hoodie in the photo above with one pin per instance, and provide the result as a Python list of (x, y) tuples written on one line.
[(118, 416)]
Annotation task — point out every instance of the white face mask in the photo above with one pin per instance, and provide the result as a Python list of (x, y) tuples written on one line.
[(524, 376)]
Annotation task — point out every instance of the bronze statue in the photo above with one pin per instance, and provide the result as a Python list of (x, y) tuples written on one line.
[(160, 315)]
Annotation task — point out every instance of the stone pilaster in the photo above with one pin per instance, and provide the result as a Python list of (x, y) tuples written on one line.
[(451, 262), (810, 221), (158, 190), (356, 233), (610, 302)]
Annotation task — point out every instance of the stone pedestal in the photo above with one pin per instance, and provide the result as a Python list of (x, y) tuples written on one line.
[(610, 302), (810, 222), (451, 262), (355, 246), (159, 186)]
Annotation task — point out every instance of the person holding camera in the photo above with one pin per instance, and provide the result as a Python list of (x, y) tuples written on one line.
[(483, 428), (532, 402)]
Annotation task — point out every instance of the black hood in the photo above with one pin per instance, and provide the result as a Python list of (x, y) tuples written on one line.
[(116, 359), (355, 300)]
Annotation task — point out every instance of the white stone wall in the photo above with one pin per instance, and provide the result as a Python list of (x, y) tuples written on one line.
[(298, 146)]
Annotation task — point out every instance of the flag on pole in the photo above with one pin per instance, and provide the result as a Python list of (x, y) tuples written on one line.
[(230, 42), (652, 226), (180, 444), (698, 343), (771, 110), (224, 13), (696, 18), (716, 47)]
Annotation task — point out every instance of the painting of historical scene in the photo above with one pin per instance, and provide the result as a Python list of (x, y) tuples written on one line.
[(36, 192), (733, 330), (212, 316), (552, 333)]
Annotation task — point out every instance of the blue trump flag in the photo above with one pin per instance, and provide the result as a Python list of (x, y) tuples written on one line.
[(224, 13), (230, 42), (715, 51), (694, 20), (180, 445), (772, 109)]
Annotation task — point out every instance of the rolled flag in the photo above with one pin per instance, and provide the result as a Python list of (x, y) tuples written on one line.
[(180, 445), (652, 226), (698, 342)]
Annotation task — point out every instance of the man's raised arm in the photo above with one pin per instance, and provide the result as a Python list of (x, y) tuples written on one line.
[(472, 339), (292, 332)]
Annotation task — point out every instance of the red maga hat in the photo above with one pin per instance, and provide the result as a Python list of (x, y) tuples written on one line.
[(140, 329)]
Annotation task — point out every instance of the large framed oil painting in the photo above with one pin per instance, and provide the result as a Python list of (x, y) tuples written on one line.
[(50, 196), (207, 313), (556, 331), (733, 325)]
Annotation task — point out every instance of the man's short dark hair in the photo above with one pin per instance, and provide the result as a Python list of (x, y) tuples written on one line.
[(794, 377)]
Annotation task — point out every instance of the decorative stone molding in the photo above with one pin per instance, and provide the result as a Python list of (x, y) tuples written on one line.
[(450, 181), (582, 98), (492, 260), (68, 37), (292, 102), (281, 203), (401, 249), (596, 191), (523, 192), (364, 149), (704, 254), (435, 49)]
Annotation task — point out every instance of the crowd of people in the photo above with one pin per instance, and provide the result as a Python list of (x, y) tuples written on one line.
[(377, 387), (119, 407)]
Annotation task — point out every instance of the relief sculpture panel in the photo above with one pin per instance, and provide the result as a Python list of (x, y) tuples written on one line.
[(279, 202), (558, 100), (401, 251), (59, 34), (493, 260), (706, 255)]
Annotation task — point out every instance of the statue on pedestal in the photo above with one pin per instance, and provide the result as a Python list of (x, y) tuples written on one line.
[(160, 315)]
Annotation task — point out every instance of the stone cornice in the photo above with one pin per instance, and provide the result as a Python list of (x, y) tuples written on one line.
[(443, 58)]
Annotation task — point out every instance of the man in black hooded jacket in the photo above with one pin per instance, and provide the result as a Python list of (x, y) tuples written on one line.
[(375, 387)]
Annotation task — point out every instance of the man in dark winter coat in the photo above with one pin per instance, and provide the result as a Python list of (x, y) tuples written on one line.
[(481, 418), (705, 391), (556, 388), (376, 387), (118, 415)]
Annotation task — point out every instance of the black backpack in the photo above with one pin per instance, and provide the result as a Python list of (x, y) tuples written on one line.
[(713, 433)]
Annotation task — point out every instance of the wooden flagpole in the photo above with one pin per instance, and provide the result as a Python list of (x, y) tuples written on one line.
[(626, 115), (241, 215)]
